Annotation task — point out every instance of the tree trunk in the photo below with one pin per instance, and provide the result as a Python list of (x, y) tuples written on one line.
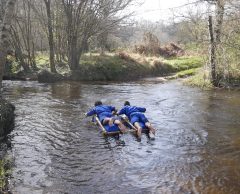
[(212, 53), (73, 54), (4, 35), (33, 61), (18, 50), (29, 34), (215, 38), (219, 20), (50, 36)]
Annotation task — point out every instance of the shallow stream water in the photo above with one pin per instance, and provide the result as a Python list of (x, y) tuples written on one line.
[(56, 150)]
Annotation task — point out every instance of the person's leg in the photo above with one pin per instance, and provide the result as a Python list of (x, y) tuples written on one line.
[(150, 127), (135, 121), (139, 129), (121, 126), (106, 121), (110, 121), (144, 119)]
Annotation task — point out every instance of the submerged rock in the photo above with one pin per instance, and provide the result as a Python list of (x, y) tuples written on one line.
[(6, 117)]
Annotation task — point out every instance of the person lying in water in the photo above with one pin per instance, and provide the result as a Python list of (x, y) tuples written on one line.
[(105, 115), (135, 115)]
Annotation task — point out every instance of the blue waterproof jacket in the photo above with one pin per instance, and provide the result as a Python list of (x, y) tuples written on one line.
[(102, 111), (128, 110)]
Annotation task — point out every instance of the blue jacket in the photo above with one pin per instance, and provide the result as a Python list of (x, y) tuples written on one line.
[(128, 110), (101, 111)]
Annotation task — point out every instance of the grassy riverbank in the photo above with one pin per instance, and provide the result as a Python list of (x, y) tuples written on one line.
[(200, 79), (122, 66), (227, 69)]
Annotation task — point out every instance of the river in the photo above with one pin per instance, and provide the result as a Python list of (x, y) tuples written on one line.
[(56, 150)]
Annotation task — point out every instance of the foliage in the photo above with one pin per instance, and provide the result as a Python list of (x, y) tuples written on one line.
[(187, 73), (11, 66), (151, 46), (200, 79), (125, 57), (63, 29), (161, 68), (183, 63), (42, 61), (194, 31), (112, 67), (122, 66), (5, 172)]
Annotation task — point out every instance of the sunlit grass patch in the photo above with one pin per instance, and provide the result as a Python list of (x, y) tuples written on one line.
[(185, 62), (200, 79), (117, 66), (42, 62), (188, 72), (124, 62), (126, 65), (115, 62)]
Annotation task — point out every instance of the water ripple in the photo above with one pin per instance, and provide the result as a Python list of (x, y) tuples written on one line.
[(57, 150)]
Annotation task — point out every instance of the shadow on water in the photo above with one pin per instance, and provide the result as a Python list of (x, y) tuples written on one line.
[(57, 150)]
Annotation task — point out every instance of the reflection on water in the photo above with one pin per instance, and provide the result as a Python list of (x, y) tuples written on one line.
[(57, 150)]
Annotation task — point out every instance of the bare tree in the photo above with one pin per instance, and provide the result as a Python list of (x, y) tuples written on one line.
[(50, 35), (87, 18), (212, 53), (215, 9), (215, 36), (4, 35), (24, 33)]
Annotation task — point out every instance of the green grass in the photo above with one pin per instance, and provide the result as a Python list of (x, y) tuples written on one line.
[(184, 63), (117, 64), (186, 73), (200, 79), (42, 62), (111, 67), (124, 66)]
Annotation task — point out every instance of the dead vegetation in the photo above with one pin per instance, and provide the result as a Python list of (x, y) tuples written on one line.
[(125, 57), (151, 46), (171, 50)]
